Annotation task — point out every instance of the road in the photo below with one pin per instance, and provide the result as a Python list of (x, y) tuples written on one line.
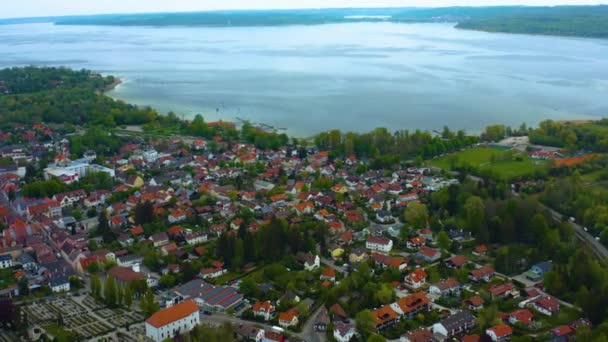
[(598, 249), (595, 246)]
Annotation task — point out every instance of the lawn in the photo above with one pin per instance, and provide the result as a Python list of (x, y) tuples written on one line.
[(504, 164)]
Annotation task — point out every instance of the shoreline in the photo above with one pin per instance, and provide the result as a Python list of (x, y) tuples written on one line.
[(112, 86)]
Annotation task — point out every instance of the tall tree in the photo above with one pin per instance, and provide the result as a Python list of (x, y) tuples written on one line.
[(109, 291), (417, 215)]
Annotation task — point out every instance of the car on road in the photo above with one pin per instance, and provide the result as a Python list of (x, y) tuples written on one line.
[(597, 238), (585, 228), (572, 219)]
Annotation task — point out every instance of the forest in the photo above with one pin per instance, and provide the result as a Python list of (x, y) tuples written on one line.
[(592, 136)]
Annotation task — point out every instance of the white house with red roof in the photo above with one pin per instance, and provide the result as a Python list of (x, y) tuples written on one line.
[(416, 279), (169, 322), (547, 305)]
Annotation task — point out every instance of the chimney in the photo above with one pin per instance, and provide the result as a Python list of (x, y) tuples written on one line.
[(136, 268)]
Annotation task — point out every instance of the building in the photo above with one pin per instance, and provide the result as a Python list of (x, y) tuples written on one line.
[(167, 323), (482, 274), (428, 254), (449, 286), (538, 271), (6, 261), (322, 320), (547, 305), (500, 333), (344, 332), (379, 244), (523, 316), (72, 171), (416, 279), (418, 335), (289, 318), (263, 309), (207, 296), (456, 324)]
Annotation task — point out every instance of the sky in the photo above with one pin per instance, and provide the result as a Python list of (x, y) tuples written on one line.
[(38, 8)]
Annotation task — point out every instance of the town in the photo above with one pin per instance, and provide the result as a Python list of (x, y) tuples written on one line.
[(146, 237)]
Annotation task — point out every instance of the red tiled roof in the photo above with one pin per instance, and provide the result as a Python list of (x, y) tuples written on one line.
[(172, 314), (501, 330)]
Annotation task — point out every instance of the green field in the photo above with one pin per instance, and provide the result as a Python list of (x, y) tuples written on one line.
[(504, 164)]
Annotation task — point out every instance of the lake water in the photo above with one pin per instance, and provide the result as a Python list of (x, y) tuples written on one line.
[(348, 76)]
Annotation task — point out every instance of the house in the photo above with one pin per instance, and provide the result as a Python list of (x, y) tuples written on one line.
[(562, 333), (310, 261), (6, 261), (289, 318), (483, 273), (385, 317), (273, 336), (384, 216), (457, 261), (428, 254), (196, 238), (418, 335), (211, 272), (168, 249), (538, 271), (474, 303), (249, 332), (177, 216), (449, 286), (480, 250), (344, 332), (502, 290), (263, 309), (523, 316), (547, 305), (329, 274), (127, 275), (322, 320), (456, 324), (357, 255), (379, 244), (67, 199), (338, 313), (416, 242), (416, 279), (410, 305), (500, 333), (169, 322), (159, 239)]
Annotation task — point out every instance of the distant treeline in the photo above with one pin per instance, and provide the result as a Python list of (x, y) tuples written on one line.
[(585, 21), (558, 21)]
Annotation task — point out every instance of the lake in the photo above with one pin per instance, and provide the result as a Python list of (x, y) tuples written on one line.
[(348, 76)]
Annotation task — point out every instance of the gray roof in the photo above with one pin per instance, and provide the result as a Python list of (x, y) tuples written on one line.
[(5, 257), (221, 296), (458, 320)]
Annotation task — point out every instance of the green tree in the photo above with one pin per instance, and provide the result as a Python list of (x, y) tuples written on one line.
[(109, 292), (417, 215), (443, 240), (95, 286), (365, 322), (128, 296), (376, 338)]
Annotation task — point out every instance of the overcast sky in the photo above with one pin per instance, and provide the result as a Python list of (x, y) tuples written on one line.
[(36, 8)]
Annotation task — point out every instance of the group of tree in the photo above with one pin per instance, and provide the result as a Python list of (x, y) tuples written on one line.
[(271, 243), (573, 136), (386, 149)]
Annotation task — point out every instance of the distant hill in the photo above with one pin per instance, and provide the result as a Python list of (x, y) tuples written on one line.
[(582, 21)]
